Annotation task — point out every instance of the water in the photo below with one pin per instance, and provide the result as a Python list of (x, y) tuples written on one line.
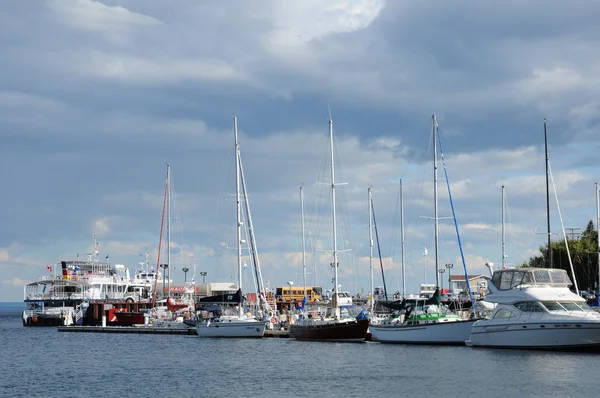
[(39, 362)]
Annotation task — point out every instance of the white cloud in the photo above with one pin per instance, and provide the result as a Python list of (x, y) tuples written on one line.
[(298, 23), (101, 227), (96, 16), (158, 70)]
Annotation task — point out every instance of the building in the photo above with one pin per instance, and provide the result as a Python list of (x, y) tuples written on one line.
[(478, 284)]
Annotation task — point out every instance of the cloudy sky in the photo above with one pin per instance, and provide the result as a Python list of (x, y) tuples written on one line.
[(97, 96)]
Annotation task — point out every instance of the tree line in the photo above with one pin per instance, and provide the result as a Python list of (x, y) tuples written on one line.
[(584, 255)]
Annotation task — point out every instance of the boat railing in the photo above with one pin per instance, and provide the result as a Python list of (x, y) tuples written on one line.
[(54, 296)]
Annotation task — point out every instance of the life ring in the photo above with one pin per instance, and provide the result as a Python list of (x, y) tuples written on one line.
[(273, 320)]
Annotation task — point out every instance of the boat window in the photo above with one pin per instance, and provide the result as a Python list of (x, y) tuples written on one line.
[(542, 276), (527, 278), (560, 276), (570, 306), (502, 314), (583, 306), (553, 306), (529, 306), (506, 280), (496, 279), (516, 279)]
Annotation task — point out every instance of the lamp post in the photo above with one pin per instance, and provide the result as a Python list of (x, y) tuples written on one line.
[(185, 271), (203, 275), (164, 267), (291, 283), (441, 271), (449, 266)]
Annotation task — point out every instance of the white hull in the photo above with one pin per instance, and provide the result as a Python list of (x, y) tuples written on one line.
[(556, 334), (445, 333), (231, 327)]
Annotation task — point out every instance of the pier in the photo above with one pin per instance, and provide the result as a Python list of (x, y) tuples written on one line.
[(152, 330)]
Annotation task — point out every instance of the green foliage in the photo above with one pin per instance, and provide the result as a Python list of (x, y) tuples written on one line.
[(584, 254)]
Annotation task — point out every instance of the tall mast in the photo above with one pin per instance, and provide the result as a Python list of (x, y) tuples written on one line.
[(168, 229), (238, 213), (503, 233), (303, 240), (435, 201), (335, 253), (598, 229), (550, 262), (402, 239), (371, 249)]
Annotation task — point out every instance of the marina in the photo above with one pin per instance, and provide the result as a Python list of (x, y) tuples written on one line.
[(357, 198)]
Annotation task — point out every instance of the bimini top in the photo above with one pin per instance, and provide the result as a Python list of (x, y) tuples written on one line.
[(516, 278)]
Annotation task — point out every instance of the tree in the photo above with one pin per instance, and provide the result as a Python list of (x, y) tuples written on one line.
[(584, 255)]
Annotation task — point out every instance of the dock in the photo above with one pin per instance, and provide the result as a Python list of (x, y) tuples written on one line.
[(151, 330)]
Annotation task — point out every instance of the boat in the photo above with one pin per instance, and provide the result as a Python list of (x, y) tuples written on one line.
[(168, 312), (424, 320), (339, 325), (535, 309), (240, 325), (61, 299), (165, 311)]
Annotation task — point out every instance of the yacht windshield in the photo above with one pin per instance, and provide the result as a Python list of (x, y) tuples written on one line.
[(539, 277)]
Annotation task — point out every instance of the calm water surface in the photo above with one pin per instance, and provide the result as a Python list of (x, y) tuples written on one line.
[(39, 362)]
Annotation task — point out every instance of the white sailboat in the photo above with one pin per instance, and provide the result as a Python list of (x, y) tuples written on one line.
[(424, 321), (339, 327), (234, 325)]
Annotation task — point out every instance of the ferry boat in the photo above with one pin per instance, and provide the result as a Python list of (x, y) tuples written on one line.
[(62, 299)]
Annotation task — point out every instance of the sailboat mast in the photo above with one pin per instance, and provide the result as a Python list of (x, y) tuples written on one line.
[(335, 253), (303, 239), (550, 262), (503, 233), (168, 229), (238, 213), (371, 249), (402, 239), (435, 200), (598, 229)]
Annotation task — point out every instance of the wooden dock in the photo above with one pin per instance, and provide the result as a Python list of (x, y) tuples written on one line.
[(152, 330)]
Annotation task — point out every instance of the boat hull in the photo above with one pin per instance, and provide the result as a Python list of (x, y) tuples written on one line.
[(129, 318), (53, 317), (41, 319), (343, 331), (549, 335), (443, 333), (231, 329)]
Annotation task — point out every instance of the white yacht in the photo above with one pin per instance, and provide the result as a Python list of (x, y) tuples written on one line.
[(536, 310)]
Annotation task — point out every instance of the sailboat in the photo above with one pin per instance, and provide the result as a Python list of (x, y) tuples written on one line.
[(336, 328), (163, 315), (235, 325), (423, 321)]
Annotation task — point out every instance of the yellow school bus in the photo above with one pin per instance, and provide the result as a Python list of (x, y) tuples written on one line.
[(295, 294)]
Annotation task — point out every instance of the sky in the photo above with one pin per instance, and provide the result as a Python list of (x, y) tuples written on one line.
[(96, 97)]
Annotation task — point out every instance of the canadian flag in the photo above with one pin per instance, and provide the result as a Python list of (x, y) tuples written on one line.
[(49, 267)]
